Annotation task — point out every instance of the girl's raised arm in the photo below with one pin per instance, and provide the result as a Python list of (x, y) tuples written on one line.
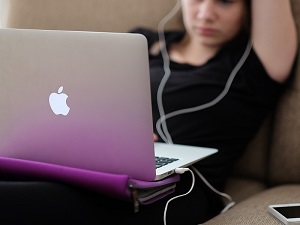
[(274, 36)]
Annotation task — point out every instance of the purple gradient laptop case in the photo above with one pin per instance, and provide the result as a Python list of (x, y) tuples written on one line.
[(118, 186)]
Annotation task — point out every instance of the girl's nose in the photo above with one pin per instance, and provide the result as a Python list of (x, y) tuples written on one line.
[(206, 10)]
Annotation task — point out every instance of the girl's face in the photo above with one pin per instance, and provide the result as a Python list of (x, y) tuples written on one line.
[(214, 22)]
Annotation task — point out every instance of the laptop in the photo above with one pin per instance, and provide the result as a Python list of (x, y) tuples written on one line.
[(82, 99)]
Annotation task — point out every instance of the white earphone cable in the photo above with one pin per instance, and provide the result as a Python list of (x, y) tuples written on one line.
[(161, 27), (179, 171), (164, 117)]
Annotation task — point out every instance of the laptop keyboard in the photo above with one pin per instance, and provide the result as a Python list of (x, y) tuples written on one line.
[(162, 161)]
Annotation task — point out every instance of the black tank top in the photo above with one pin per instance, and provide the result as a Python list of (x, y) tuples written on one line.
[(231, 123)]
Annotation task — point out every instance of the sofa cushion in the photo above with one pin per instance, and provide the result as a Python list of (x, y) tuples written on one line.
[(253, 163), (240, 188), (254, 209)]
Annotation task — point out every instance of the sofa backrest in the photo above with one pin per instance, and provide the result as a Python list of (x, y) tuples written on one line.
[(271, 148), (88, 15)]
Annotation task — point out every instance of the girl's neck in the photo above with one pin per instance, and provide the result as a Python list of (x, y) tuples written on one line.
[(190, 51)]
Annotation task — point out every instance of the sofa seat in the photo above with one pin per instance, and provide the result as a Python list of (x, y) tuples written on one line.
[(253, 210)]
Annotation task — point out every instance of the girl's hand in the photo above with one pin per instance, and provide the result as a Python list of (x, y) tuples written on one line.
[(155, 137)]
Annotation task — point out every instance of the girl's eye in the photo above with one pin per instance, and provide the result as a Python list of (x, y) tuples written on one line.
[(226, 1)]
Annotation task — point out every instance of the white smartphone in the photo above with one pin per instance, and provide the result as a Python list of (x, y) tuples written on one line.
[(286, 213)]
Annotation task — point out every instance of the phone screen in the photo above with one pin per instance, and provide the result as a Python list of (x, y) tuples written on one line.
[(289, 211)]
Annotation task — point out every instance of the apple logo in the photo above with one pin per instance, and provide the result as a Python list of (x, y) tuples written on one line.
[(58, 102)]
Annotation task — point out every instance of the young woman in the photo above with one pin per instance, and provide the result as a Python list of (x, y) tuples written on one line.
[(202, 61)]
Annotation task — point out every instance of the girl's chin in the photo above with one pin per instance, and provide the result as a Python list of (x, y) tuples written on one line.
[(209, 42)]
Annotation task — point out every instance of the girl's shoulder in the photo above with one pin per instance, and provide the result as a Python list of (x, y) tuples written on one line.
[(153, 37)]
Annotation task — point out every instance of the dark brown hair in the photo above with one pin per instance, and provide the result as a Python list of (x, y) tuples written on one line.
[(247, 27)]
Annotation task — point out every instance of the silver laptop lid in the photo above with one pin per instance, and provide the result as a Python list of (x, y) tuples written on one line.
[(105, 79)]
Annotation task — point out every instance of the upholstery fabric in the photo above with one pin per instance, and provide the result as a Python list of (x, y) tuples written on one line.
[(241, 188), (254, 210), (90, 15)]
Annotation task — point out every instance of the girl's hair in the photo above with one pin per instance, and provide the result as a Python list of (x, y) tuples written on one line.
[(247, 26)]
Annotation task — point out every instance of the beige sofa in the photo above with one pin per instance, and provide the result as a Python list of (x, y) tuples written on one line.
[(268, 173)]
